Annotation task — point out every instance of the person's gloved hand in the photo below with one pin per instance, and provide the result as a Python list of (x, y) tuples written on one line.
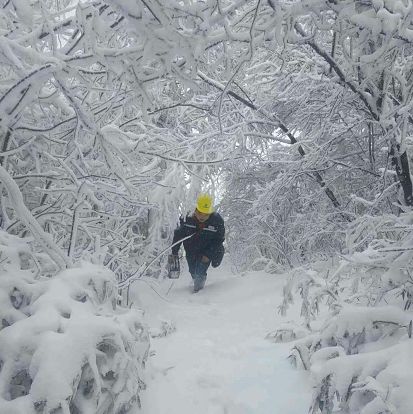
[(205, 259)]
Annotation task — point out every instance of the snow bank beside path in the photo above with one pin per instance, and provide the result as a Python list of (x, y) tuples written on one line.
[(64, 345), (217, 361)]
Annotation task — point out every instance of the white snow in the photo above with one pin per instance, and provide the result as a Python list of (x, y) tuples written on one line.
[(217, 360), (64, 344)]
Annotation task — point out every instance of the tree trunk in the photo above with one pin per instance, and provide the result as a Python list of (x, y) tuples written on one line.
[(400, 162), (5, 144)]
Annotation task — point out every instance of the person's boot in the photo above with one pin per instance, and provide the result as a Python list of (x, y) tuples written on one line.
[(198, 285)]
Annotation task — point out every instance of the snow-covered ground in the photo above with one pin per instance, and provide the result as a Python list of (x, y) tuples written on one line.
[(218, 361)]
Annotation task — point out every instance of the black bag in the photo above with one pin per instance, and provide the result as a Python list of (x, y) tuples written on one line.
[(218, 256), (174, 269)]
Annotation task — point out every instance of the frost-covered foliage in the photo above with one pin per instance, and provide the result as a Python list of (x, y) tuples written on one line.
[(101, 167), (65, 346), (114, 113), (300, 105), (360, 316), (272, 225), (326, 126)]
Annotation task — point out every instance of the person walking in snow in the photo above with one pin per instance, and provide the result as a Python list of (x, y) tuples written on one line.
[(205, 246)]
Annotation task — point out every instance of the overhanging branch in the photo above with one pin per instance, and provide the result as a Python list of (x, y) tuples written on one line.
[(280, 124)]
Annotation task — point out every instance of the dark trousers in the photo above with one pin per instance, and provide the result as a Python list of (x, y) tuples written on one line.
[(198, 270)]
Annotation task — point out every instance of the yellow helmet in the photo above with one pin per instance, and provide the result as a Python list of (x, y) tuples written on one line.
[(204, 204)]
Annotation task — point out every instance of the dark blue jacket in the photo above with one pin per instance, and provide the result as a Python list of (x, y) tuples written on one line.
[(207, 237)]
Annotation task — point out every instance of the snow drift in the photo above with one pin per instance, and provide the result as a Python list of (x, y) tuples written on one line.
[(65, 345), (360, 318)]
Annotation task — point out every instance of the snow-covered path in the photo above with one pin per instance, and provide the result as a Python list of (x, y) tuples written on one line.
[(217, 361)]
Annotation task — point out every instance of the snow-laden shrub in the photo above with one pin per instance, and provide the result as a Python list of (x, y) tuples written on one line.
[(360, 316), (65, 346), (287, 332), (358, 361), (165, 328)]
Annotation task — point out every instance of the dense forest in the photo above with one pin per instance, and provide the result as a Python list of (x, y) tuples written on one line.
[(114, 114)]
